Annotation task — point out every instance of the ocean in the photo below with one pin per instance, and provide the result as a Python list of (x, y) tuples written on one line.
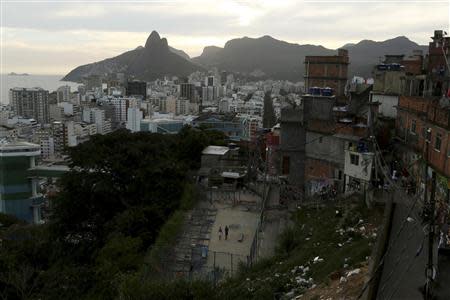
[(47, 82)]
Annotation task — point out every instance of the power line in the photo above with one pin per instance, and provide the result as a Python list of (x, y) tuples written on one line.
[(402, 227)]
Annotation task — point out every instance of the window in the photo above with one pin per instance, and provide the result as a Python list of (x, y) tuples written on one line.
[(428, 135), (437, 142), (413, 126), (354, 159)]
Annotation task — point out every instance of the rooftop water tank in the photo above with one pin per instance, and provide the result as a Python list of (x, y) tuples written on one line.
[(316, 90), (327, 92)]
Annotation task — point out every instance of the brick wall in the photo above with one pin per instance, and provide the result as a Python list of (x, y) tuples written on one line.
[(417, 104), (316, 169), (436, 118)]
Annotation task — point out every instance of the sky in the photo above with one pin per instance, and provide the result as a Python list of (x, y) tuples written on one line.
[(53, 37)]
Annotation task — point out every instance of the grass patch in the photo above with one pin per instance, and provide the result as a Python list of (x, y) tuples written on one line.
[(169, 233)]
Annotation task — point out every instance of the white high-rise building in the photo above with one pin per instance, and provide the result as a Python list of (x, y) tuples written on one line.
[(135, 115), (99, 119), (120, 109), (63, 94)]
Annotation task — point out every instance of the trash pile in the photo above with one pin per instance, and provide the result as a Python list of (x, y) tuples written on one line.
[(359, 230)]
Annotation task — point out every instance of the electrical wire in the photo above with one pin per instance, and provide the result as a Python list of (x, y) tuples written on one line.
[(402, 227)]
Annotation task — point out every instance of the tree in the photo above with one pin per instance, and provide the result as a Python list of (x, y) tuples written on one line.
[(269, 118), (120, 191)]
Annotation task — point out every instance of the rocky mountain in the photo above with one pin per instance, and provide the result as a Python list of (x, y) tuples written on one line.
[(263, 57), (274, 58), (155, 60), (180, 53)]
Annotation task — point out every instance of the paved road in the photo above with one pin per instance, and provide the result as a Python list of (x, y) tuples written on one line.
[(443, 288), (403, 273)]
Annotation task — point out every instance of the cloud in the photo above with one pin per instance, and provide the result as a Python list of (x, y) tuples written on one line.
[(88, 11), (86, 32)]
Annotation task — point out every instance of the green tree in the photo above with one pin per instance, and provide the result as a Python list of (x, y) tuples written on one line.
[(121, 190), (269, 118)]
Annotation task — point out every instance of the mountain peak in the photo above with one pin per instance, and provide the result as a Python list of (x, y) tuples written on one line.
[(164, 42), (152, 39), (267, 37)]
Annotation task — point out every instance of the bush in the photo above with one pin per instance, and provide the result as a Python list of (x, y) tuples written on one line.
[(8, 220)]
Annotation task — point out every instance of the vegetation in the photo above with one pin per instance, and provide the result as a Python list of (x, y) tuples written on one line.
[(122, 205), (314, 233), (269, 117), (113, 205)]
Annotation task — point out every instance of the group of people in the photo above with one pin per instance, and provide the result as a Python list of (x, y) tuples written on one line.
[(221, 232)]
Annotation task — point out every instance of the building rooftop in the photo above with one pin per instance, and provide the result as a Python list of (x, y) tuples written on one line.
[(215, 150), (9, 148), (34, 89), (5, 144)]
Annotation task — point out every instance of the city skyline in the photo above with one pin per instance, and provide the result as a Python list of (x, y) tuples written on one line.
[(52, 38)]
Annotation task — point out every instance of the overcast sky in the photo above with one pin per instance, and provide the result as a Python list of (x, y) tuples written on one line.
[(52, 37)]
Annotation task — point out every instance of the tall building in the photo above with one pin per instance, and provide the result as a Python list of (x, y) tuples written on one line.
[(209, 95), (327, 71), (18, 192), (63, 94), (63, 136), (134, 118), (210, 81), (120, 109), (168, 105), (47, 143), (30, 103), (56, 112), (98, 117), (187, 91), (182, 107), (137, 88)]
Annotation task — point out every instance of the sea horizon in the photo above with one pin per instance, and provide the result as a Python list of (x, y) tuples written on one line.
[(46, 81)]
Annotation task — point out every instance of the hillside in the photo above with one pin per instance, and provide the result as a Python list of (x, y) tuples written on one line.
[(366, 53), (153, 61), (282, 60), (263, 57)]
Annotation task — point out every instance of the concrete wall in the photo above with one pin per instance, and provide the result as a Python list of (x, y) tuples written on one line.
[(388, 82), (361, 171), (387, 106), (319, 108), (292, 142), (325, 147)]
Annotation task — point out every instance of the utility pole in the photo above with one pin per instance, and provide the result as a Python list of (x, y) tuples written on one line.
[(431, 234), (425, 172), (429, 207)]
